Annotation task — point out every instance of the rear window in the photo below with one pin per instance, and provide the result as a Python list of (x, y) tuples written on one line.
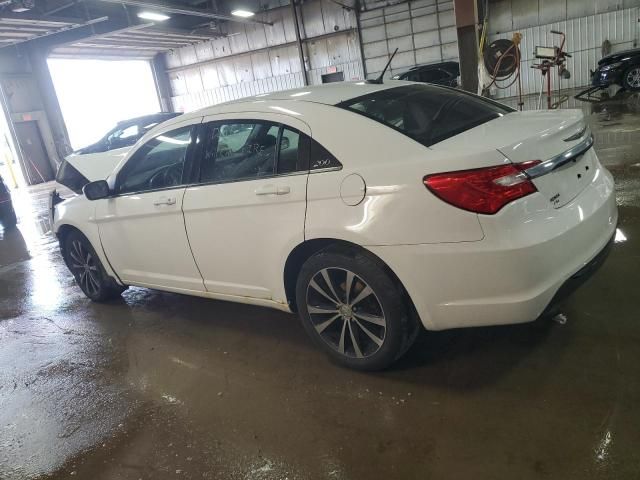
[(427, 113)]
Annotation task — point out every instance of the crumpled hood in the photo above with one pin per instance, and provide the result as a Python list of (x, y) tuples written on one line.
[(97, 166)]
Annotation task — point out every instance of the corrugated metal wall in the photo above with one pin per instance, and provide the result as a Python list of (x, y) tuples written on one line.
[(585, 34), (423, 31), (256, 58), (507, 15)]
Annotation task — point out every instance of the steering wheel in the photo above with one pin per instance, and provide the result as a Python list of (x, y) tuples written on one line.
[(166, 177)]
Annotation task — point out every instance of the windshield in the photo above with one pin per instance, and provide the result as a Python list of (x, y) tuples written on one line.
[(427, 113)]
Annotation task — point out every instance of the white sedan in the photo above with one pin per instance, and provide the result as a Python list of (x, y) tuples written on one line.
[(369, 209)]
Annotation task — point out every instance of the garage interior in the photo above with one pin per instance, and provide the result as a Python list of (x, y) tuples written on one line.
[(160, 385)]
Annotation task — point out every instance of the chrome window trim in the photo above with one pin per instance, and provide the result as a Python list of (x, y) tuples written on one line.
[(559, 160), (327, 169)]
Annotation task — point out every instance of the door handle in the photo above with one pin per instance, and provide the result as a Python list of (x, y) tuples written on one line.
[(165, 201), (267, 190), (273, 190)]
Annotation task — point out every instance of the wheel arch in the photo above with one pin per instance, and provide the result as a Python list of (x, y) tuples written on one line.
[(62, 232), (303, 251)]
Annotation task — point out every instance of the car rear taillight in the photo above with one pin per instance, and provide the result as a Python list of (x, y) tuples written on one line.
[(483, 190)]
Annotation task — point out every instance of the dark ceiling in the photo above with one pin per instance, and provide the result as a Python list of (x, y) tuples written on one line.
[(112, 28)]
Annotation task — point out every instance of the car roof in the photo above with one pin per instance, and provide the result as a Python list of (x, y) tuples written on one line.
[(144, 118), (430, 66), (330, 94), (632, 51)]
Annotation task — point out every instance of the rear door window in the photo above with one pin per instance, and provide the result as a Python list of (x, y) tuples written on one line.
[(251, 149), (427, 113), (321, 158), (240, 150), (288, 160)]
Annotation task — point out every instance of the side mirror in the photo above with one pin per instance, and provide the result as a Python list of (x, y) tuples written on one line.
[(96, 190)]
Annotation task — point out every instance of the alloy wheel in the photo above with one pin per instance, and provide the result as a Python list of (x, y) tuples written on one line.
[(633, 77), (346, 313), (84, 267)]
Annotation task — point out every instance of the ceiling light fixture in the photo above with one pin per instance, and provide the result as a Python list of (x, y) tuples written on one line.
[(239, 12), (154, 16)]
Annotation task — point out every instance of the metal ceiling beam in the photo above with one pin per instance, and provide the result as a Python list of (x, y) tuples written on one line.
[(151, 40), (104, 34), (184, 11), (27, 17), (16, 35), (176, 32), (95, 53), (27, 30), (59, 9), (158, 45), (106, 46), (159, 38), (58, 30)]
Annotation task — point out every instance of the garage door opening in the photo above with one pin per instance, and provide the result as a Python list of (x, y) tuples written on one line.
[(94, 95), (9, 167)]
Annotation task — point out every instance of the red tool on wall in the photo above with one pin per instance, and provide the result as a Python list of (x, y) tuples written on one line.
[(552, 57)]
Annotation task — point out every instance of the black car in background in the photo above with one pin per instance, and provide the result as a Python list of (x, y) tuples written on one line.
[(7, 213), (445, 73), (126, 133), (622, 68)]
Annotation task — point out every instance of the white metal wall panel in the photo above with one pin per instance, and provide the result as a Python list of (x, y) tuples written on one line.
[(508, 15), (423, 31), (275, 34), (312, 18), (204, 51), (232, 69), (261, 65), (221, 48), (210, 79), (584, 41), (238, 41)]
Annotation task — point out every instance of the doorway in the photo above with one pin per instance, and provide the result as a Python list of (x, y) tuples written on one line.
[(333, 77), (36, 161), (95, 95)]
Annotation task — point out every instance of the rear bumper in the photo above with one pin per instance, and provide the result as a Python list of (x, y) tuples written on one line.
[(529, 252), (577, 279)]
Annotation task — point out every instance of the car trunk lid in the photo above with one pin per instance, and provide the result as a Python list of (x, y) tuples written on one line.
[(559, 139), (562, 141)]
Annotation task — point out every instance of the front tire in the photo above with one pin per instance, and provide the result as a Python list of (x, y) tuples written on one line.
[(354, 310), (631, 78), (85, 265)]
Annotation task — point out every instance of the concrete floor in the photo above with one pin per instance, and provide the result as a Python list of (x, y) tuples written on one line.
[(161, 386)]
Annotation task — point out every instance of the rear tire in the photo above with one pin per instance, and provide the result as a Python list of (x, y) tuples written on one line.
[(354, 310), (85, 265), (631, 78)]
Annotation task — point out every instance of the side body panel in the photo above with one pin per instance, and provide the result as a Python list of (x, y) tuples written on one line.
[(79, 213), (530, 249), (397, 208), (145, 240), (143, 235), (241, 237)]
